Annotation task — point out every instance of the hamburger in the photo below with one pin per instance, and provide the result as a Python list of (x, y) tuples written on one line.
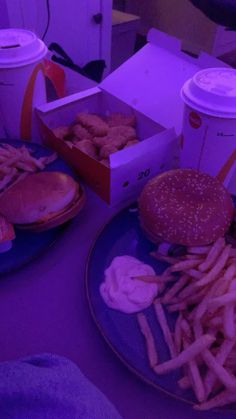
[(186, 207), (38, 198)]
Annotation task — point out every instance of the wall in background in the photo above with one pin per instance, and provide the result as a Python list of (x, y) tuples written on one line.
[(182, 20), (176, 17), (71, 25)]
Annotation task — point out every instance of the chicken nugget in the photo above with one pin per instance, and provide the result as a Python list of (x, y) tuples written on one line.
[(131, 142), (87, 147), (128, 133), (100, 141), (94, 123), (119, 140), (116, 119), (61, 132), (106, 150), (81, 132)]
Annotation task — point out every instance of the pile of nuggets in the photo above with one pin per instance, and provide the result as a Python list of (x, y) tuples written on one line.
[(99, 136)]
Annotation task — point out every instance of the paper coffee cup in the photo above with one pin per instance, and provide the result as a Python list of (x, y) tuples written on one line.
[(22, 83), (209, 124)]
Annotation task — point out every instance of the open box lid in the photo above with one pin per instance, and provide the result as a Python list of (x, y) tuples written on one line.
[(150, 81)]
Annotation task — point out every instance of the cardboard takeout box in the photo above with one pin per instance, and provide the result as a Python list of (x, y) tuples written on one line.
[(148, 86)]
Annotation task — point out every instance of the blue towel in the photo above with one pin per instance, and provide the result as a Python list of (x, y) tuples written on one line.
[(48, 386)]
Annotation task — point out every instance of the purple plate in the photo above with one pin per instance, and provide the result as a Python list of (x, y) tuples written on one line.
[(27, 245), (123, 236)]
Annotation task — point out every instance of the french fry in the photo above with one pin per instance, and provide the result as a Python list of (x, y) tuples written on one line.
[(185, 265), (198, 250), (222, 374), (194, 273), (9, 162), (228, 316), (204, 295), (165, 328), (215, 271), (212, 255), (177, 307), (184, 382), (190, 256), (16, 161), (229, 325), (49, 159), (216, 321), (221, 357), (195, 378), (6, 180), (230, 272), (186, 330), (222, 300), (221, 399), (232, 253), (163, 258), (200, 309), (195, 298), (187, 291), (155, 278), (149, 339), (178, 333), (180, 283), (196, 348), (197, 328)]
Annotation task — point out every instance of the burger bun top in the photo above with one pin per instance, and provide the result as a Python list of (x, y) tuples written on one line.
[(184, 206)]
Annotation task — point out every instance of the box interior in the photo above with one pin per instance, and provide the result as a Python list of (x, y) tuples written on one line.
[(102, 103)]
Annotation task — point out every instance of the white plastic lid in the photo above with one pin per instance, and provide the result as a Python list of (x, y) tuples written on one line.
[(19, 47), (212, 91)]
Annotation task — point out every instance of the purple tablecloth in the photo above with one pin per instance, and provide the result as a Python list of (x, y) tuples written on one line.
[(43, 308)]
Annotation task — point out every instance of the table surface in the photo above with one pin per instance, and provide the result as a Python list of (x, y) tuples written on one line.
[(43, 308)]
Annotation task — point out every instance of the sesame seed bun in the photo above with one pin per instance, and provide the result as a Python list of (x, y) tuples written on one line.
[(38, 197), (186, 207)]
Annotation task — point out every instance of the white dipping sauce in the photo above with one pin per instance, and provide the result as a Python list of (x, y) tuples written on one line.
[(121, 292)]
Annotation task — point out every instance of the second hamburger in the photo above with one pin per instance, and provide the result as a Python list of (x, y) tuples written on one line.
[(38, 198)]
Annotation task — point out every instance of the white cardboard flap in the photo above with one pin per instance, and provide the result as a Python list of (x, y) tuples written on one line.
[(151, 79)]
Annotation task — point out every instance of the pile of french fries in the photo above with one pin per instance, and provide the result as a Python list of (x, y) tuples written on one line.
[(16, 163), (201, 287)]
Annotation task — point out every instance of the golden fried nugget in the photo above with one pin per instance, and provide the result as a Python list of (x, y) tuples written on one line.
[(130, 143), (118, 136), (106, 150), (87, 147), (81, 132), (116, 119), (128, 133), (100, 141), (61, 132), (94, 123), (118, 141)]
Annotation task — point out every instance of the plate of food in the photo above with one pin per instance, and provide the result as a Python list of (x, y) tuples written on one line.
[(161, 288), (38, 194)]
